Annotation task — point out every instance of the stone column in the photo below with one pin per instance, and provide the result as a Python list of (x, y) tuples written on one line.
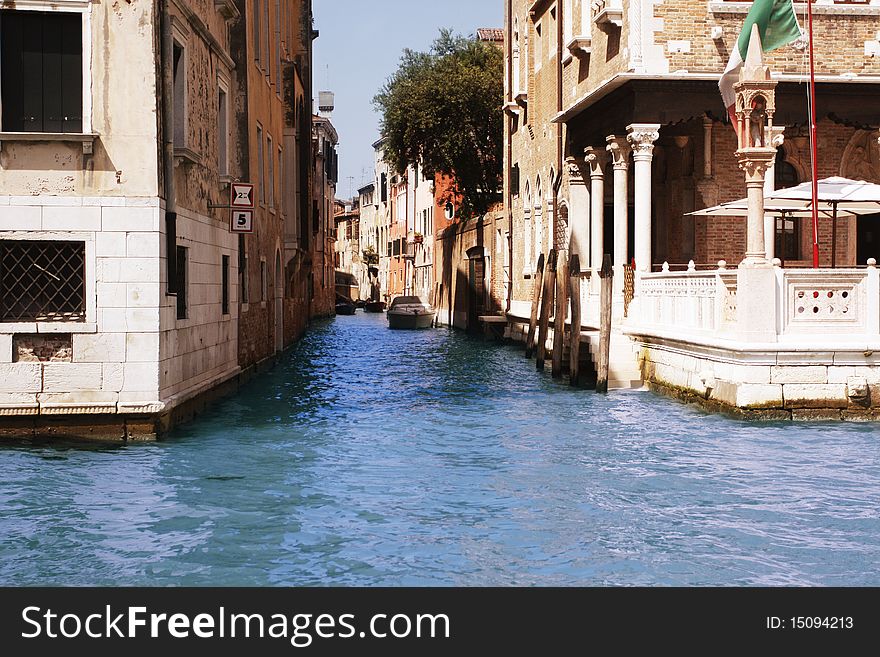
[(596, 159), (620, 151), (642, 137), (578, 210), (776, 139), (755, 162), (707, 147)]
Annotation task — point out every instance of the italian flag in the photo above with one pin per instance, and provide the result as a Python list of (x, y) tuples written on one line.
[(777, 26)]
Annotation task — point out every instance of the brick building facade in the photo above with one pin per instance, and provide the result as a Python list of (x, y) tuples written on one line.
[(615, 130)]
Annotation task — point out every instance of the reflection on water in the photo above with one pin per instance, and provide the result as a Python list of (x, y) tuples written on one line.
[(377, 457)]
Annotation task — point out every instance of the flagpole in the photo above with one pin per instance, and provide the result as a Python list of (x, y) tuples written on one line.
[(814, 165)]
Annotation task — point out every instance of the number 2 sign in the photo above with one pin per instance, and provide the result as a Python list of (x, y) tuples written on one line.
[(242, 195)]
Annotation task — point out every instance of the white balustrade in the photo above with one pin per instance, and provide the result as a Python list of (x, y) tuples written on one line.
[(678, 301)]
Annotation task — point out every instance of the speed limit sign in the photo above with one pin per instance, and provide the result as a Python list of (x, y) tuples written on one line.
[(242, 221)]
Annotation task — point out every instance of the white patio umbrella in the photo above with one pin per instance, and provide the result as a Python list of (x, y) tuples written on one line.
[(838, 197), (839, 194)]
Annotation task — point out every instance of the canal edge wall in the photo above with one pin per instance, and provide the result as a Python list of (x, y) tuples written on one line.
[(129, 427), (766, 384)]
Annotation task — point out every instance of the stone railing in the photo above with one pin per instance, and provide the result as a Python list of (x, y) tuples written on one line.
[(814, 306), (844, 303), (679, 301)]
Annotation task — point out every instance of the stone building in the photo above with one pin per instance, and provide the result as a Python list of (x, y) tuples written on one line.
[(369, 242), (274, 42), (123, 291), (614, 120), (347, 247), (323, 230), (615, 131)]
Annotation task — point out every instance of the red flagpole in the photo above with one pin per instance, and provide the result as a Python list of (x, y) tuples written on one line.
[(814, 165)]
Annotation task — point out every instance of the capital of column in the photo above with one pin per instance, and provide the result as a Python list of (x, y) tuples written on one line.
[(596, 158), (620, 149), (754, 162), (573, 167), (642, 137)]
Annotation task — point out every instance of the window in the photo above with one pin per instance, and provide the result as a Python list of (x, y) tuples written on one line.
[(282, 185), (41, 72), (539, 47), (278, 46), (787, 241), (270, 158), (180, 284), (264, 54), (42, 281), (263, 283), (261, 166), (567, 20), (179, 94), (243, 268), (515, 57), (383, 188), (257, 44), (222, 132), (224, 272)]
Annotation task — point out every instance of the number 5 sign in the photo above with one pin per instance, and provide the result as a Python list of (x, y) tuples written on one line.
[(242, 221), (242, 196)]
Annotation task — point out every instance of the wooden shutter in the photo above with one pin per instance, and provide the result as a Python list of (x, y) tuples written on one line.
[(41, 71)]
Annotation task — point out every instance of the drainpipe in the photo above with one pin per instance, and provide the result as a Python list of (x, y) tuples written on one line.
[(166, 60)]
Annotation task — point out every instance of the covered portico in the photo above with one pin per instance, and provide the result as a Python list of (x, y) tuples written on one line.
[(641, 154)]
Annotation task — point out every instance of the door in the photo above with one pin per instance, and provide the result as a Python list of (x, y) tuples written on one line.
[(477, 291), (867, 238)]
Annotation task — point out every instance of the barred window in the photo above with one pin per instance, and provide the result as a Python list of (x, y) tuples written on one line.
[(42, 281)]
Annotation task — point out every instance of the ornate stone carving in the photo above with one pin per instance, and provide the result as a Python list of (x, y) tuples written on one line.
[(861, 159), (755, 161), (641, 138), (620, 149), (596, 158), (574, 170)]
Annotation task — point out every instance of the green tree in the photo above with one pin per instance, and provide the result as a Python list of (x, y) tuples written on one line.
[(442, 110)]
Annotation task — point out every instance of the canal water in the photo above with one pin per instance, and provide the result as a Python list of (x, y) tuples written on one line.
[(373, 457)]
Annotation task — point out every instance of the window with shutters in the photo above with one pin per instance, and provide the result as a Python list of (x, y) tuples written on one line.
[(41, 66)]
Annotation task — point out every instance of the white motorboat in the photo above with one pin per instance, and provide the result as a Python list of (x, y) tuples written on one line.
[(409, 313)]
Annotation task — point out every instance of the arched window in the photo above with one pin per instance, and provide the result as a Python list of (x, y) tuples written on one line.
[(538, 222), (527, 228), (787, 245)]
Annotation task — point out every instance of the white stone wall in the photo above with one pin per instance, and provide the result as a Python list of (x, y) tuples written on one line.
[(789, 381), (115, 350), (196, 353)]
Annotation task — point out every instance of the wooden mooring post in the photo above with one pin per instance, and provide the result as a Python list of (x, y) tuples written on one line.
[(559, 315), (574, 272), (536, 301), (607, 276), (546, 304)]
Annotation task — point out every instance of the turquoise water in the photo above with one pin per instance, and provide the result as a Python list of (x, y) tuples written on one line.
[(374, 457)]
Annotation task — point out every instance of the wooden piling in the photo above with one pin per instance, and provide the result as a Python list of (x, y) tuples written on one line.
[(546, 304), (559, 316), (607, 275), (574, 272), (536, 300)]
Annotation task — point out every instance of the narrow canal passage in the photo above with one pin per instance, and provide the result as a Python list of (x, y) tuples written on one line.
[(373, 457)]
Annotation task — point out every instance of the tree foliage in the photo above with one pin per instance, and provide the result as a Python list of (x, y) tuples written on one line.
[(442, 110)]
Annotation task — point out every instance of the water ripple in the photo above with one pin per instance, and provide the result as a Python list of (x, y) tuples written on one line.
[(372, 457)]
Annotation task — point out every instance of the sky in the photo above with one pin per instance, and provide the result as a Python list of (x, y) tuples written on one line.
[(358, 49)]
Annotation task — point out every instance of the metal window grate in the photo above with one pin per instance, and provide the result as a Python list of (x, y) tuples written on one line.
[(42, 281)]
